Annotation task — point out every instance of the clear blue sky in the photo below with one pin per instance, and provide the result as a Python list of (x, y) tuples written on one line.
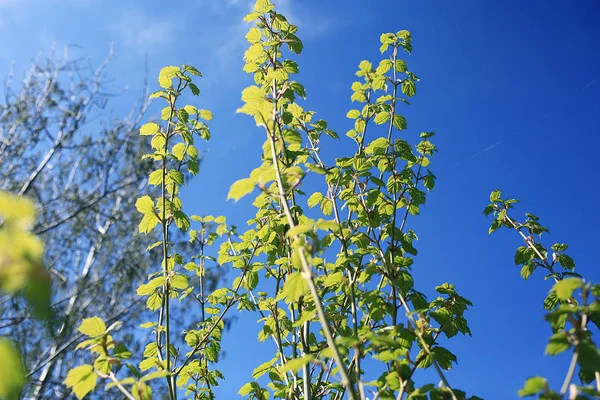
[(511, 87)]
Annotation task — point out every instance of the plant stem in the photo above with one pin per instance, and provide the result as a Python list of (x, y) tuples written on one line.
[(570, 372), (306, 268)]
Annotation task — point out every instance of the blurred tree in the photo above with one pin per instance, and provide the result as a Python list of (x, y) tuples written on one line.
[(83, 170)]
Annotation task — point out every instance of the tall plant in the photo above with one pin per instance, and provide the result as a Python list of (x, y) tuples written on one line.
[(335, 292), (332, 286), (572, 303)]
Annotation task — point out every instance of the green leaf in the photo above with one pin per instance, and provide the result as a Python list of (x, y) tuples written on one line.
[(399, 122), (263, 368), (248, 388), (353, 114), (495, 196), (382, 117), (194, 89), (365, 65), (254, 35), (205, 114), (149, 129), (298, 230), (295, 364), (443, 357), (558, 343), (176, 176), (564, 289), (558, 247), (178, 151), (377, 146), (294, 287), (566, 262), (155, 178), (120, 351), (166, 75), (181, 220), (327, 206), (145, 205), (263, 6), (82, 379), (154, 301), (92, 327), (409, 88), (333, 279), (148, 288), (527, 270), (12, 377), (148, 223), (523, 255), (589, 355), (533, 386), (240, 188), (384, 66), (314, 199), (400, 66)]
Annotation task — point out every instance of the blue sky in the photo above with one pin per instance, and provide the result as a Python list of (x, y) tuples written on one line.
[(512, 89)]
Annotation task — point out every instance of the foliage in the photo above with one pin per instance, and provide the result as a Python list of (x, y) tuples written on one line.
[(571, 304), (325, 264), (22, 272), (60, 146)]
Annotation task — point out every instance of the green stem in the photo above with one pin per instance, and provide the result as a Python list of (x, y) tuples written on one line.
[(306, 268)]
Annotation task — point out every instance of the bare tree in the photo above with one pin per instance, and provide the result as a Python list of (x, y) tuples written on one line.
[(84, 170)]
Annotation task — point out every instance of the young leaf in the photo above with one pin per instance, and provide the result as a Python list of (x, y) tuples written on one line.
[(240, 188), (92, 327)]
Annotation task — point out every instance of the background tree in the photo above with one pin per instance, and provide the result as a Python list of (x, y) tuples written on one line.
[(82, 168)]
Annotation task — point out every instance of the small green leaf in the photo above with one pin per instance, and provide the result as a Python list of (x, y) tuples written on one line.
[(353, 114), (558, 343), (495, 196), (145, 205), (533, 386), (178, 151), (589, 355), (566, 262), (564, 289), (294, 287), (148, 223), (295, 364), (205, 114), (92, 327), (409, 88), (253, 35), (263, 368), (176, 176), (12, 377), (248, 388), (240, 188), (149, 129), (314, 199), (399, 122), (333, 279), (382, 117), (263, 6), (166, 75), (82, 379), (384, 66)]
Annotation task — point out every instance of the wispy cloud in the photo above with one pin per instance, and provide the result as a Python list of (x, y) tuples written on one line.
[(591, 83), (484, 150), (141, 31), (305, 17)]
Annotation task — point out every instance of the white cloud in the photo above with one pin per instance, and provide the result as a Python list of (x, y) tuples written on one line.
[(142, 31)]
